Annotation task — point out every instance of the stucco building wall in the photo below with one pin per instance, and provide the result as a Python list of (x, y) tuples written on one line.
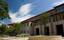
[(56, 17)]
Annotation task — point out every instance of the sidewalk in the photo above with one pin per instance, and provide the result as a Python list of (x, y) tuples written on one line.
[(14, 38)]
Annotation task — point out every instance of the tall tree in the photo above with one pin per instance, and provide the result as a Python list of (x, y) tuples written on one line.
[(18, 27), (3, 14), (44, 19), (3, 10)]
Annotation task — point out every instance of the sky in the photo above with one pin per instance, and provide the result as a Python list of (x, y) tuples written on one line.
[(20, 10)]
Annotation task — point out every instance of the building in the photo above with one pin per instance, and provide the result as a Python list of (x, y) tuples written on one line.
[(54, 25)]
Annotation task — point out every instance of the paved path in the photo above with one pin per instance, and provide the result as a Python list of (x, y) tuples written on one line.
[(14, 38)]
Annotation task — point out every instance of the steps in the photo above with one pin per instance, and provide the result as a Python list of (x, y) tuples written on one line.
[(62, 38), (46, 38)]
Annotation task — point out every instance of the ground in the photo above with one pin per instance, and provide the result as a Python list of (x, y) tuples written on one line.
[(14, 38), (19, 38)]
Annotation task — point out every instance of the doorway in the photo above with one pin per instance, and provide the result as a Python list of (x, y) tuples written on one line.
[(37, 31), (59, 29), (46, 31)]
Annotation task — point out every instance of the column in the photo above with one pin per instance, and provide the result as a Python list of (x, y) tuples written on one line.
[(42, 27), (51, 25), (30, 27), (50, 32), (26, 28)]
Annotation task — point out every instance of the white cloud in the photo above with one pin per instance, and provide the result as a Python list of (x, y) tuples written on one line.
[(25, 9), (20, 19), (14, 19), (58, 3), (23, 12), (12, 15)]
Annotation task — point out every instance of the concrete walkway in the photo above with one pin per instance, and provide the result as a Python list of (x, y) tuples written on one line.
[(17, 38), (14, 38)]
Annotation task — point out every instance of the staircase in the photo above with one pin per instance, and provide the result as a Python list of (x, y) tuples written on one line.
[(62, 38), (41, 37)]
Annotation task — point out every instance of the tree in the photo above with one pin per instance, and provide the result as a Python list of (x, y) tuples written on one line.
[(3, 10), (44, 19), (2, 29), (3, 14), (9, 31), (18, 27), (14, 29)]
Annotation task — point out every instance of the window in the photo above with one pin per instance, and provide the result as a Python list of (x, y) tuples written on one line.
[(63, 16), (51, 19), (54, 19), (60, 17), (46, 30)]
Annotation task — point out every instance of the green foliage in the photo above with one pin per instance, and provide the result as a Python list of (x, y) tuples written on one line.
[(4, 14), (3, 10), (18, 26), (2, 29), (10, 31), (44, 18)]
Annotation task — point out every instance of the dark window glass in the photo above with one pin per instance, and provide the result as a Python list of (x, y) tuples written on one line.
[(53, 18), (60, 17), (63, 16), (46, 30), (50, 18), (56, 18)]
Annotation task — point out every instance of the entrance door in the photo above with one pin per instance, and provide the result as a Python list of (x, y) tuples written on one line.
[(59, 29), (46, 30), (37, 31)]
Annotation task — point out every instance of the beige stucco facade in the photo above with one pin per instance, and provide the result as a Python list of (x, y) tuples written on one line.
[(34, 26)]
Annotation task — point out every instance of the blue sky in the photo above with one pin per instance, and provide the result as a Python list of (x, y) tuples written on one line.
[(20, 10)]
